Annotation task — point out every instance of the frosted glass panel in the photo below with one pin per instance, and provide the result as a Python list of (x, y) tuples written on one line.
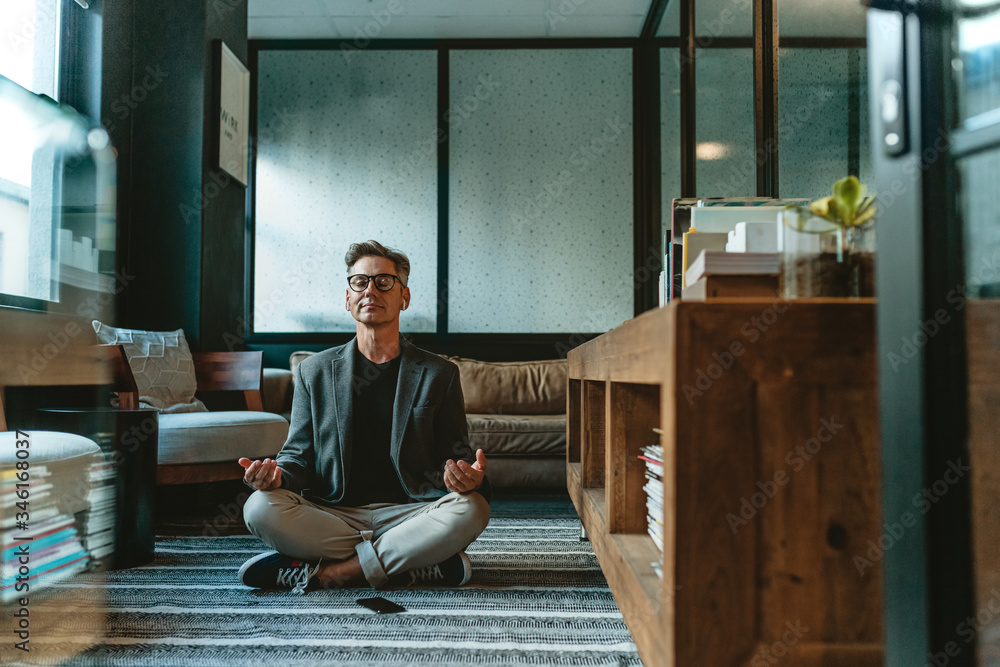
[(980, 204), (726, 165), (822, 120), (670, 129), (346, 152), (977, 63), (830, 18), (540, 202), (721, 18)]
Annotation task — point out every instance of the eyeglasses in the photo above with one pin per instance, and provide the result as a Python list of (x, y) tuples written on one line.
[(383, 282)]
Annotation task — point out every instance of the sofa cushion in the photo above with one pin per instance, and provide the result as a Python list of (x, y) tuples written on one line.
[(162, 365), (297, 358), (514, 387), (518, 435), (276, 391), (206, 437)]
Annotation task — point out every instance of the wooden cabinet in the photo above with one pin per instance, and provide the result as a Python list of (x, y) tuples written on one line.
[(773, 534), (983, 331)]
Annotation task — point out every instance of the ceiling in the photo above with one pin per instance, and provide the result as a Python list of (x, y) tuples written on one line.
[(444, 19)]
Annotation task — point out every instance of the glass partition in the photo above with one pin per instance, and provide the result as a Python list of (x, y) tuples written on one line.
[(830, 18), (726, 164), (346, 151), (541, 194), (822, 119)]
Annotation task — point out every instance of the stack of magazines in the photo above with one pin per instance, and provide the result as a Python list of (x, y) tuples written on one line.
[(97, 525), (652, 455), (39, 538)]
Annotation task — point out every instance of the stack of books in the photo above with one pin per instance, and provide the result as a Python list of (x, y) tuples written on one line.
[(732, 274), (97, 525), (39, 541), (653, 457)]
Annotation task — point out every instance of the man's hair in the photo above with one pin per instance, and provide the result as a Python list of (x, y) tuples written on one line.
[(376, 249)]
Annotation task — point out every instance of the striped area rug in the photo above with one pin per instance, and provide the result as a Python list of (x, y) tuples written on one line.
[(537, 597)]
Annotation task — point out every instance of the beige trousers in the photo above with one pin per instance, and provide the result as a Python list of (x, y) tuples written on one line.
[(387, 538)]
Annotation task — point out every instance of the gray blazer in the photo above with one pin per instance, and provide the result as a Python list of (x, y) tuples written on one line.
[(428, 425)]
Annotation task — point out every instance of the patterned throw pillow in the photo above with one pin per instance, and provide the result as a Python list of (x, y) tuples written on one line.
[(162, 366)]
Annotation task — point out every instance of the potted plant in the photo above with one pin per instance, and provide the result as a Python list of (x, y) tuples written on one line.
[(828, 247)]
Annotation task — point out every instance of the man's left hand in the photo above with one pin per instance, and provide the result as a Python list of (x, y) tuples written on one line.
[(461, 477)]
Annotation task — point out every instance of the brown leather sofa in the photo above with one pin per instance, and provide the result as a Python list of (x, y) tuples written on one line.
[(516, 412)]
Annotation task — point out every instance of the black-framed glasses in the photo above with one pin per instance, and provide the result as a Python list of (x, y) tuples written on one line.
[(383, 282)]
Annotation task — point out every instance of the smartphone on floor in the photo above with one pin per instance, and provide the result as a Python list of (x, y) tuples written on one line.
[(381, 605)]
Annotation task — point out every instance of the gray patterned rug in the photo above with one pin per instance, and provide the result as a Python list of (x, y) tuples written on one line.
[(537, 597)]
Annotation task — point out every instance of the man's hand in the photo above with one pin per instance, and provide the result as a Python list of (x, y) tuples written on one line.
[(262, 475), (461, 477)]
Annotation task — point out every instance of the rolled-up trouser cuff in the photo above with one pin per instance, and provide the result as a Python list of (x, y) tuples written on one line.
[(370, 564)]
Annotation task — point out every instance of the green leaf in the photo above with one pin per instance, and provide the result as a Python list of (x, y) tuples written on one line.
[(848, 193)]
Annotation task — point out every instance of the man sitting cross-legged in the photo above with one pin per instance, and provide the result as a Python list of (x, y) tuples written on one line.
[(376, 483)]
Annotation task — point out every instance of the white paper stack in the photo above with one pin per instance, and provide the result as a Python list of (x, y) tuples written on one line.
[(753, 237), (733, 264), (723, 219)]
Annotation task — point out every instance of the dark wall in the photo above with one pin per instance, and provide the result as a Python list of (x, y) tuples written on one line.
[(116, 81), (176, 247), (224, 219)]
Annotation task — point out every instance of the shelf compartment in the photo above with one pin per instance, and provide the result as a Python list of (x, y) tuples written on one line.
[(633, 412), (594, 429), (574, 420)]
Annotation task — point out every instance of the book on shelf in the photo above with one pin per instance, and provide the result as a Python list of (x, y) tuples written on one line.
[(658, 541), (652, 456), (732, 263), (755, 237), (727, 287), (655, 529), (652, 453), (695, 244)]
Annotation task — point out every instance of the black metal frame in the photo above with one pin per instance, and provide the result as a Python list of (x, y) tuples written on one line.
[(765, 95), (929, 583), (647, 185)]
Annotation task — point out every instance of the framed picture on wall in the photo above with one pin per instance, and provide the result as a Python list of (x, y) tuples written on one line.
[(234, 113)]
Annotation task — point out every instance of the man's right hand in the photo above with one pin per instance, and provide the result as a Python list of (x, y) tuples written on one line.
[(262, 475)]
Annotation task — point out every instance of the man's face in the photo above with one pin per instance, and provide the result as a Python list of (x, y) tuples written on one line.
[(371, 306)]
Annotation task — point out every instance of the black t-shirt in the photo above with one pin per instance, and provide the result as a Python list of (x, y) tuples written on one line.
[(371, 477)]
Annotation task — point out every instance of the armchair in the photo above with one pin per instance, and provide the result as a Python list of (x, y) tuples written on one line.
[(204, 446)]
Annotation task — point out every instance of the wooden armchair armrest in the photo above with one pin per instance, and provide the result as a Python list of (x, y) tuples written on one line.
[(231, 371), (122, 379)]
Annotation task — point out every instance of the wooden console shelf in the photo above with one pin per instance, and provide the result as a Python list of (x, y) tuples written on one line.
[(769, 412)]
